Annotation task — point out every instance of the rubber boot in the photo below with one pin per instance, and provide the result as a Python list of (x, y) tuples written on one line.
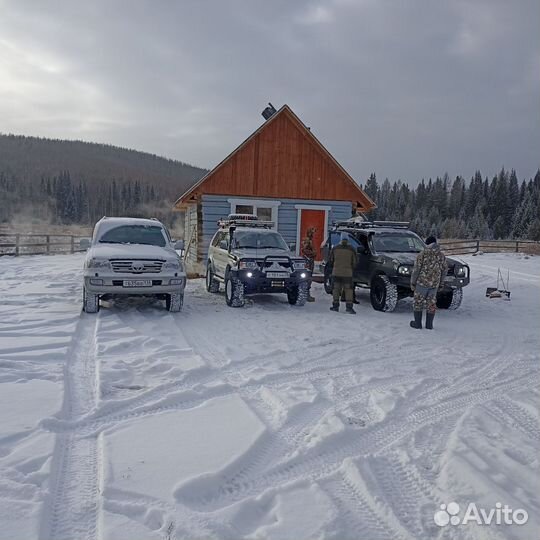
[(310, 298), (335, 307), (429, 320), (349, 309), (417, 323)]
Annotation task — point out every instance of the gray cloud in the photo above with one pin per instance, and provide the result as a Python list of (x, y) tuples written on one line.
[(405, 89)]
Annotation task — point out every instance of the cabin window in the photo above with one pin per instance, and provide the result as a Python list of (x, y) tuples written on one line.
[(264, 214), (265, 210), (244, 209)]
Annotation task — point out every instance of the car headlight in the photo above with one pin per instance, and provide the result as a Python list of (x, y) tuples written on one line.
[(404, 270), (171, 265), (461, 271), (247, 264), (97, 263), (299, 265)]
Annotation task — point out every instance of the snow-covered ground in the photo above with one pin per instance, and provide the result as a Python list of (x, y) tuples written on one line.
[(271, 421)]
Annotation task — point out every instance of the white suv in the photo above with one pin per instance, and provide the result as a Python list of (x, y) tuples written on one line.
[(132, 256)]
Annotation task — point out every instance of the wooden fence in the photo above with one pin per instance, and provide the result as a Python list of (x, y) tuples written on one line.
[(463, 247), (38, 244)]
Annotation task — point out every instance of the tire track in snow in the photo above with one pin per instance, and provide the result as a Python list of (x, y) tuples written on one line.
[(74, 507), (319, 464)]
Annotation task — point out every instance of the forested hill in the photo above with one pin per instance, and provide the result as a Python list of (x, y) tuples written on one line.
[(75, 182)]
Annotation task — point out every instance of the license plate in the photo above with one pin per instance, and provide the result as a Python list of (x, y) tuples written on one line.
[(280, 284), (277, 274), (137, 283)]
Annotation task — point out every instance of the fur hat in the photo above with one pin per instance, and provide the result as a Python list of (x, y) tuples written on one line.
[(431, 240)]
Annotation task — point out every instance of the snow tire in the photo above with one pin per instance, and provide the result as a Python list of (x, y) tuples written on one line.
[(212, 284), (328, 283), (234, 292), (450, 300), (297, 296), (90, 302), (174, 302), (383, 294)]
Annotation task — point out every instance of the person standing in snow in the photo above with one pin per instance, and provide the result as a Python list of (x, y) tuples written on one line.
[(343, 262), (427, 278), (309, 253)]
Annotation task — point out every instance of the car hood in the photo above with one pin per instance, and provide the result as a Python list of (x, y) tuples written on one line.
[(251, 253), (410, 258), (402, 258), (131, 251), (453, 262)]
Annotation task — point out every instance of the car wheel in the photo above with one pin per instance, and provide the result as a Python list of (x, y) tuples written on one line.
[(234, 292), (90, 302), (450, 299), (328, 283), (212, 284), (174, 302), (383, 294), (297, 296)]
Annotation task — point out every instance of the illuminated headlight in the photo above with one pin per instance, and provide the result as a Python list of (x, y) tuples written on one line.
[(247, 264), (249, 274), (303, 275), (171, 265), (177, 281), (404, 270), (97, 263), (461, 271), (299, 265)]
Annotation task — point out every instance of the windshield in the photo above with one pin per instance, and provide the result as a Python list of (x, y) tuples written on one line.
[(399, 243), (259, 240), (135, 234)]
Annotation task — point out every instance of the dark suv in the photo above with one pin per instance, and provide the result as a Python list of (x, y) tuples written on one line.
[(386, 253), (248, 256)]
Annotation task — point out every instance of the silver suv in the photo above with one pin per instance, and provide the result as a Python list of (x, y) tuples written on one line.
[(249, 257), (132, 256)]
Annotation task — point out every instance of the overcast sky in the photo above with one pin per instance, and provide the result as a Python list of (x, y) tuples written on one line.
[(407, 89)]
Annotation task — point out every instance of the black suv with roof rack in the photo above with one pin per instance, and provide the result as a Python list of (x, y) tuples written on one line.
[(386, 251), (248, 257)]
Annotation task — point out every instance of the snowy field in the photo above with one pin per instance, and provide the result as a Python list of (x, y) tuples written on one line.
[(271, 421)]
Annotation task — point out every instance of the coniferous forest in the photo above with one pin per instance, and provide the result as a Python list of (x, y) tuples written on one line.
[(502, 207), (72, 182)]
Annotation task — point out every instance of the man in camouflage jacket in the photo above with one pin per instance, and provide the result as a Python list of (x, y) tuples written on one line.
[(427, 278), (309, 253)]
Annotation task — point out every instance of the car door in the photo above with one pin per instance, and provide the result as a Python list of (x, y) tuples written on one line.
[(332, 240), (363, 255), (220, 253)]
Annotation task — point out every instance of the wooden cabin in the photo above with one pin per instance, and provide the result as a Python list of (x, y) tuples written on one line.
[(281, 173)]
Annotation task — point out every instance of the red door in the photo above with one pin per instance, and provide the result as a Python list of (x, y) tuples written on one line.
[(313, 218)]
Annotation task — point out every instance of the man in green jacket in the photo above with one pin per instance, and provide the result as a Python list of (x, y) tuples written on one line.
[(343, 262)]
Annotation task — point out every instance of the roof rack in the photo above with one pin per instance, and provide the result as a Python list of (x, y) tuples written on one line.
[(371, 224), (392, 224), (244, 220)]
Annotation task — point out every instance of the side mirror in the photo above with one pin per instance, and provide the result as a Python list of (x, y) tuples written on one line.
[(223, 244), (179, 245), (292, 246), (84, 243)]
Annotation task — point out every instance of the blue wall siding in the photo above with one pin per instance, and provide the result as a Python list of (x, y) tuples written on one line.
[(215, 207)]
